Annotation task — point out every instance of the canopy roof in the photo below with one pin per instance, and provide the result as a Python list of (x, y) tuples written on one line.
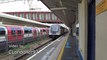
[(66, 10)]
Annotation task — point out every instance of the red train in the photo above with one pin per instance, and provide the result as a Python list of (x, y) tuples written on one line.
[(16, 35)]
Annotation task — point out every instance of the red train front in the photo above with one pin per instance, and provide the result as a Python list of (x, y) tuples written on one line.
[(15, 34)]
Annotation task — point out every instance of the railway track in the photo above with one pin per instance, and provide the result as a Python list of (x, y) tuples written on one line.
[(27, 55), (33, 46)]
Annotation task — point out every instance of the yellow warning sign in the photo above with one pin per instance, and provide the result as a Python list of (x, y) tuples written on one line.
[(101, 7)]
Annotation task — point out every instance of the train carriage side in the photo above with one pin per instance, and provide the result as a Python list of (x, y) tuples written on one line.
[(63, 30), (38, 33), (20, 34), (54, 31)]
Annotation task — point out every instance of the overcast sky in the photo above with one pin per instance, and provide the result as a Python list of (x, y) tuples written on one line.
[(22, 6)]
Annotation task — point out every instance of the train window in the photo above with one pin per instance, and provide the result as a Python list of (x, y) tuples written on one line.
[(30, 31), (19, 32), (27, 30), (44, 30), (2, 31), (54, 28), (13, 32)]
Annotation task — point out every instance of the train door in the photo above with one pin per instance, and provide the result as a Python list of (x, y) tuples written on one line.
[(31, 33), (91, 30), (41, 32), (44, 31), (38, 33), (19, 35), (47, 32), (34, 33)]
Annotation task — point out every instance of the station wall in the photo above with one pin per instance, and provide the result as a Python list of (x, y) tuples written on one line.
[(101, 30), (82, 17)]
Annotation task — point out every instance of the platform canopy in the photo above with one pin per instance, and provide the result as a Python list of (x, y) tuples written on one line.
[(66, 10), (6, 19)]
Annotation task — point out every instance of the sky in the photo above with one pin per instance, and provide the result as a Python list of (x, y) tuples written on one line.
[(22, 6)]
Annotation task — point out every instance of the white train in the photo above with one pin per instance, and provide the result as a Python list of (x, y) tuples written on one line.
[(56, 30)]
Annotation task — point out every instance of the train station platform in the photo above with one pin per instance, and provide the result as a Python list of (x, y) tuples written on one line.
[(64, 48), (69, 50)]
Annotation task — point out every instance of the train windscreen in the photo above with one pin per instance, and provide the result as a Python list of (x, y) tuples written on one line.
[(27, 30), (54, 28), (2, 32)]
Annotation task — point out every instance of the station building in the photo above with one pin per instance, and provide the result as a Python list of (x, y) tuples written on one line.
[(44, 17)]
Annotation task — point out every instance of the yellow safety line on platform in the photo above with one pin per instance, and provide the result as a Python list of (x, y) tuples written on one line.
[(62, 50)]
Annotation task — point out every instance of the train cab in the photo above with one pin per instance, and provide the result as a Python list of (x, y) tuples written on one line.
[(28, 35), (3, 38), (54, 30), (15, 35)]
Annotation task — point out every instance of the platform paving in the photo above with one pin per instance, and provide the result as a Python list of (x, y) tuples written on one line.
[(70, 50)]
